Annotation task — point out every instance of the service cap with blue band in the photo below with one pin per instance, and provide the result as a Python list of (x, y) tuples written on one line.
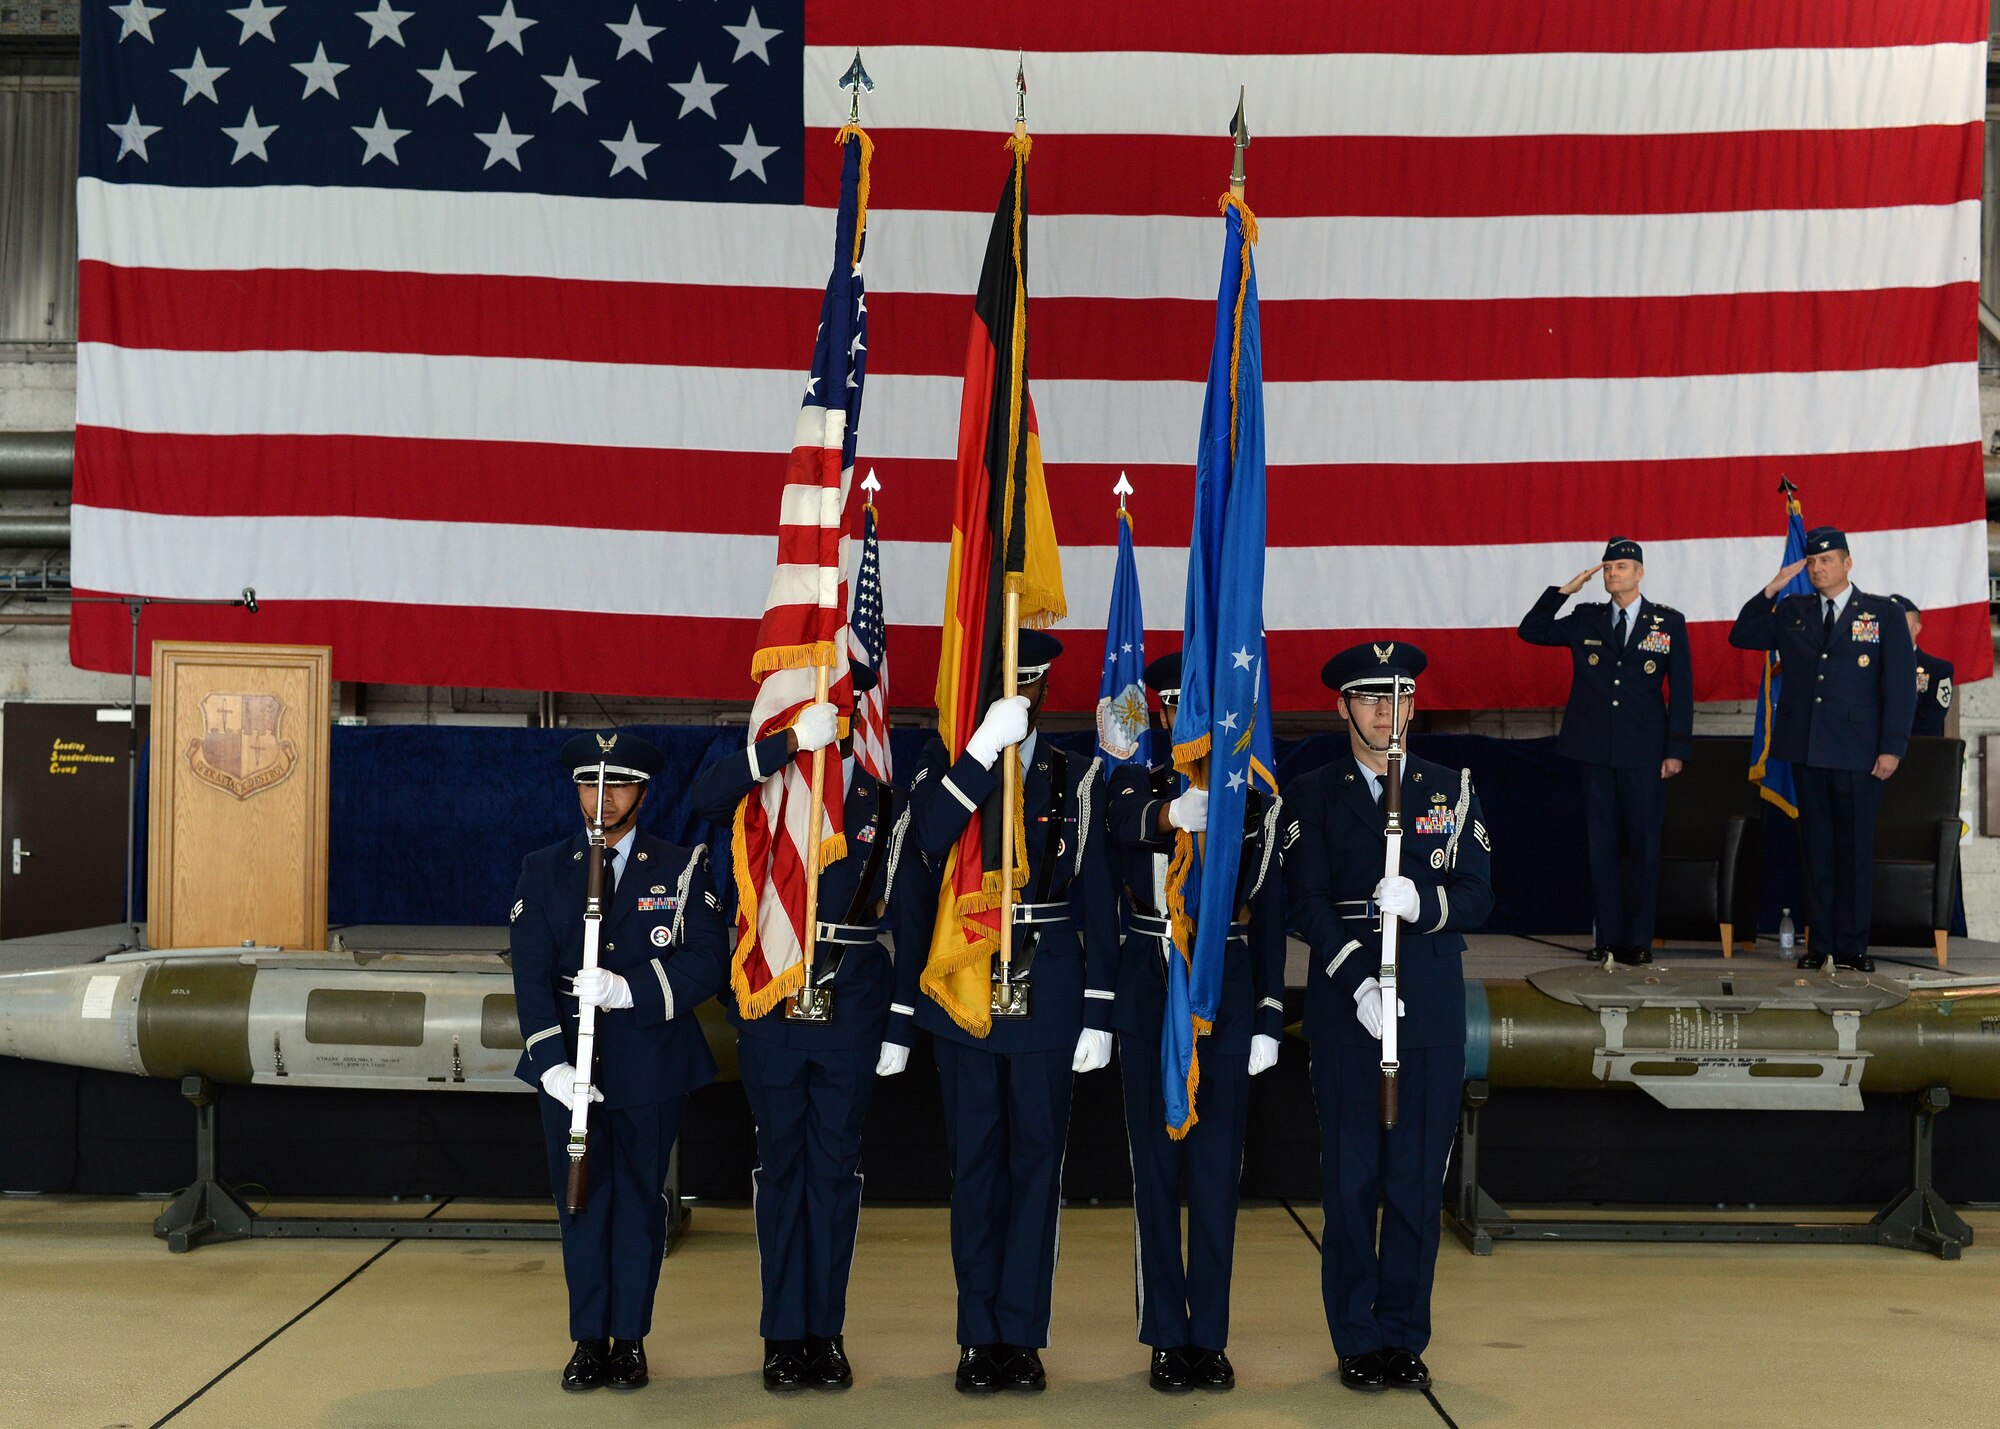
[(627, 759), (1905, 604), (864, 677), (1163, 678), (1374, 668), (1825, 538), (1624, 548), (1037, 651)]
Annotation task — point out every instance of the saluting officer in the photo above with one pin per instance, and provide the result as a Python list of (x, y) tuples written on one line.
[(1378, 1296), (1934, 675), (1843, 723), (809, 1083), (1627, 727), (662, 951), (1184, 1305), (1007, 1095)]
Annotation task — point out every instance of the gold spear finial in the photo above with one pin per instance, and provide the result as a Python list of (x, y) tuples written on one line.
[(1239, 130)]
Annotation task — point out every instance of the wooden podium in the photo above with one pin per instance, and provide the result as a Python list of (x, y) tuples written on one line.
[(236, 841)]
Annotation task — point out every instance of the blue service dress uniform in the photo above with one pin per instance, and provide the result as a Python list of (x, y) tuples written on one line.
[(1849, 695), (1934, 693), (1007, 1095), (1186, 1303), (1380, 1297), (663, 933), (1631, 705), (809, 1084)]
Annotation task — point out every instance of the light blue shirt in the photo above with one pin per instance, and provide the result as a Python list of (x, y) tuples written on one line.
[(1374, 779), (620, 853), (1631, 616), (1838, 602)]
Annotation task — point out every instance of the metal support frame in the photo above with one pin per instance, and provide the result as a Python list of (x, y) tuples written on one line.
[(209, 1211), (1917, 1219)]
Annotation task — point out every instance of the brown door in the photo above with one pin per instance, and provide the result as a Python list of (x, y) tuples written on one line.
[(62, 817)]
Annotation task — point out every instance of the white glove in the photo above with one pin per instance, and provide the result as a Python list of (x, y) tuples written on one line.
[(1263, 1053), (1368, 1007), (816, 727), (1190, 811), (1397, 897), (559, 1082), (1093, 1051), (1006, 724), (892, 1061), (595, 987)]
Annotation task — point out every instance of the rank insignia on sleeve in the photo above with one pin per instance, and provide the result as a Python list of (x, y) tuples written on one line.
[(712, 901), (1292, 833), (1479, 833), (1944, 693), (519, 904), (1863, 662)]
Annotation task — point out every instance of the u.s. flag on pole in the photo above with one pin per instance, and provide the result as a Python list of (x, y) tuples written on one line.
[(868, 646), (456, 329)]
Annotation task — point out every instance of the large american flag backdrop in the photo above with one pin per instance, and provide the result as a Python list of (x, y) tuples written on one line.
[(468, 333)]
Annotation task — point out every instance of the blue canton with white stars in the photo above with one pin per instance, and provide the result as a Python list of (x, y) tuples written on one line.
[(865, 623), (699, 101)]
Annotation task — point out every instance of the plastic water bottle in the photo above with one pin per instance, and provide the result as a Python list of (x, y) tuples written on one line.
[(1787, 935)]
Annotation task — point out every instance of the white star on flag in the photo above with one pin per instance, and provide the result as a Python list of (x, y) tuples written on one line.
[(1236, 779), (507, 28), (319, 72), (1242, 658), (1125, 648), (380, 139), (250, 136), (132, 135), (503, 146), (445, 81), (635, 36), (570, 87), (383, 23), (628, 153), (199, 77), (257, 18), (697, 93), (1227, 722), (750, 157), (751, 38), (138, 20)]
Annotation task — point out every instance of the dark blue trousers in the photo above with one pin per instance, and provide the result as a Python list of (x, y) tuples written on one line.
[(1837, 809), (1378, 1293), (809, 1106), (1624, 806), (1184, 1303), (613, 1248), (1006, 1117)]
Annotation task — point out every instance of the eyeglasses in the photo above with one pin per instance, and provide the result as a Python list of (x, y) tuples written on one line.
[(1368, 702)]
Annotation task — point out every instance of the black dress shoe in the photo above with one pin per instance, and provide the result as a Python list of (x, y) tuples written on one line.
[(1170, 1370), (1860, 963), (626, 1369), (585, 1369), (1024, 1370), (826, 1363), (784, 1364), (1364, 1372), (1598, 954), (978, 1370), (1809, 961), (1403, 1370), (1210, 1369), (1632, 955)]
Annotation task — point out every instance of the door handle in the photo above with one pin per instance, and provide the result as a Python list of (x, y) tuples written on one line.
[(19, 854)]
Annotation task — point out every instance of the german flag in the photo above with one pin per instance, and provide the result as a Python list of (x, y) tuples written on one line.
[(1002, 539)]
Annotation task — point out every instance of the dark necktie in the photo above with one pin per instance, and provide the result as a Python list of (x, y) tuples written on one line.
[(1826, 630), (1618, 627), (610, 873)]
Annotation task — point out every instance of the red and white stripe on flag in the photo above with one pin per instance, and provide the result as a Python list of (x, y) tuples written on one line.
[(871, 728)]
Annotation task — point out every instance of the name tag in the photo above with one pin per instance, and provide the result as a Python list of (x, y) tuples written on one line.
[(1867, 631), (658, 905), (1657, 642)]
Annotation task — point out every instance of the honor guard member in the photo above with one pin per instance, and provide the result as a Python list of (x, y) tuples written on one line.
[(1843, 724), (1934, 676), (1628, 727), (809, 1082), (662, 950), (1378, 1294), (1184, 1305), (1007, 1095)]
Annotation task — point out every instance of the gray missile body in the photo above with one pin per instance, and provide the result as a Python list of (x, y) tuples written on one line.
[(394, 1021)]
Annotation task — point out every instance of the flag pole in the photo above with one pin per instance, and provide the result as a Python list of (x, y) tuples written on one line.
[(1010, 664)]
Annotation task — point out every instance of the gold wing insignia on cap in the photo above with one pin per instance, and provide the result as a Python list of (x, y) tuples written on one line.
[(604, 742), (1384, 653)]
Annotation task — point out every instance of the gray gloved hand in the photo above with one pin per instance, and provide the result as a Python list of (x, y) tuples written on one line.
[(1006, 724), (1263, 1053), (1093, 1051), (1368, 1007), (1397, 897), (559, 1082), (894, 1058), (596, 987), (816, 727), (1190, 811)]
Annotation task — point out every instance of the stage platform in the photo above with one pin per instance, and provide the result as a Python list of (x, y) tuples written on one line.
[(102, 1327), (88, 1132)]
